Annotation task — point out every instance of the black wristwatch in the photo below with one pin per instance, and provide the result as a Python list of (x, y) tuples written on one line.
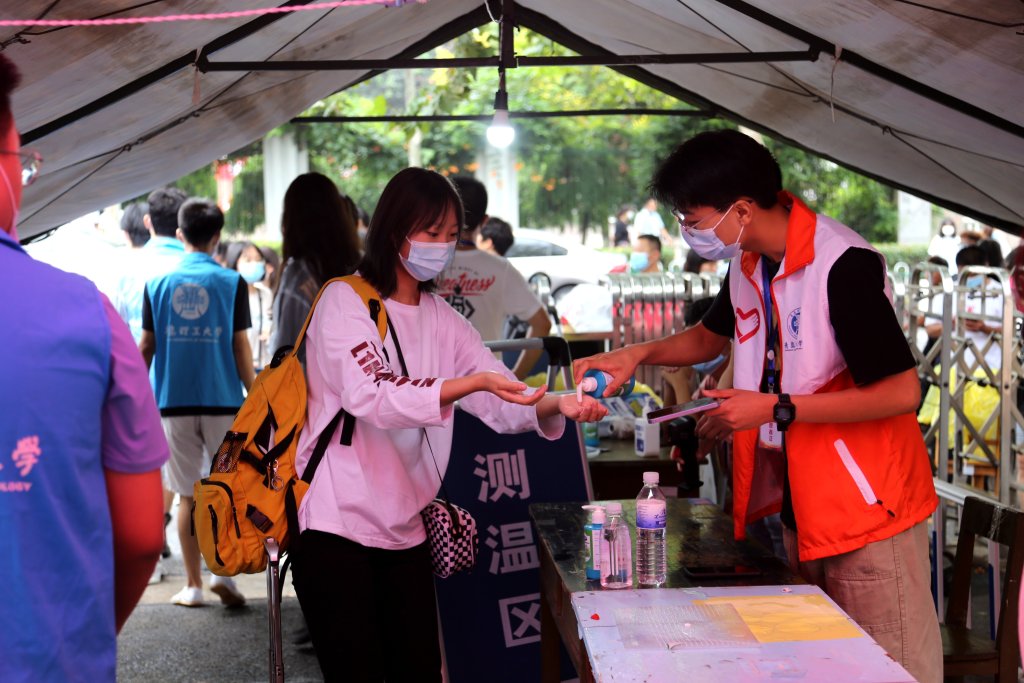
[(784, 412)]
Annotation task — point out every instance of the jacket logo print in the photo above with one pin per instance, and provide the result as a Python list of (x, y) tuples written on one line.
[(747, 323)]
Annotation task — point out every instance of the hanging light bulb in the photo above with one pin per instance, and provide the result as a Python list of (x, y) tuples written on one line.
[(501, 133)]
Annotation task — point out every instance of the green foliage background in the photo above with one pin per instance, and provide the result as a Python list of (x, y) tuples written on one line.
[(572, 171)]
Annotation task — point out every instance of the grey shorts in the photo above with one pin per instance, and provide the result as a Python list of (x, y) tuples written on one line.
[(193, 439)]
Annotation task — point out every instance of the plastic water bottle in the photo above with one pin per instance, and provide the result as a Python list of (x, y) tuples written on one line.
[(651, 517), (616, 550)]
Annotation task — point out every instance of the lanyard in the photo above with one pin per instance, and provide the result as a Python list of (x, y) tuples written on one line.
[(773, 329)]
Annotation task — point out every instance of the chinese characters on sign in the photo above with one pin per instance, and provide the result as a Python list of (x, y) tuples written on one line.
[(513, 549), (502, 474)]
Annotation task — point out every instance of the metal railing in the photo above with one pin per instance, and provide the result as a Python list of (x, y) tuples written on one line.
[(651, 306)]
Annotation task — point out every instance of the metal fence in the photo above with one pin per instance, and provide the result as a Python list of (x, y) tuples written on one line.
[(651, 306)]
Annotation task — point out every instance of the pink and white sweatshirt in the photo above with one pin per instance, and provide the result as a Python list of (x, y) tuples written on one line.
[(372, 492)]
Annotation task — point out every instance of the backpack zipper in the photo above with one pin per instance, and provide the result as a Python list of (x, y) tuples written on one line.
[(216, 540), (231, 497)]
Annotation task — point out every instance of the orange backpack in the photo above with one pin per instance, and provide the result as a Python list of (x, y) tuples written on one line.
[(253, 492)]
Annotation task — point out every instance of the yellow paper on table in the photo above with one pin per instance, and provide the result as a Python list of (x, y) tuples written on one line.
[(779, 618)]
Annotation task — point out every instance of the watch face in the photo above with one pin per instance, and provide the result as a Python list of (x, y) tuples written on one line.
[(783, 414)]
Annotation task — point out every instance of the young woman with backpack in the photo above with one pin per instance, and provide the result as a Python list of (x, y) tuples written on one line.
[(363, 570)]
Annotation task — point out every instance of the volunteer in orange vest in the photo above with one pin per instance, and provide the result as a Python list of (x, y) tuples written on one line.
[(822, 413)]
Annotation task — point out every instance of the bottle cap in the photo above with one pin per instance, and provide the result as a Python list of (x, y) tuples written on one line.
[(596, 513), (651, 477), (614, 508), (586, 385)]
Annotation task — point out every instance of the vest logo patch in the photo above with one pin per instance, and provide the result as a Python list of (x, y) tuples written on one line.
[(793, 329), (190, 301), (747, 324)]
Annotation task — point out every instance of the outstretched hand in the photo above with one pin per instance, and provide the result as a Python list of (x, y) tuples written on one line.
[(589, 410), (510, 390)]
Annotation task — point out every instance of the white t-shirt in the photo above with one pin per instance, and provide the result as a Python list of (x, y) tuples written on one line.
[(486, 289), (372, 492), (992, 306), (648, 222)]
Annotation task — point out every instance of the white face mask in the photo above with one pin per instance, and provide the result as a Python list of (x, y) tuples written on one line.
[(707, 244), (427, 259)]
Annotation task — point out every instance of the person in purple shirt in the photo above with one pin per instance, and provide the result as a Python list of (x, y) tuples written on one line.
[(80, 453)]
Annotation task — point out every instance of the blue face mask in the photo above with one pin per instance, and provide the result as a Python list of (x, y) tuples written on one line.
[(709, 366), (252, 271), (427, 259), (638, 262)]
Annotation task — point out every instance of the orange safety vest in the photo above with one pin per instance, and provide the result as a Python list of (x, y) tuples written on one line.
[(851, 483)]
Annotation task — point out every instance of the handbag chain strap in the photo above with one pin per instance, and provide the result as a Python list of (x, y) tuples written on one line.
[(405, 371)]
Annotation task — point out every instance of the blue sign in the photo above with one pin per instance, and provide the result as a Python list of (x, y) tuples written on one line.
[(491, 616)]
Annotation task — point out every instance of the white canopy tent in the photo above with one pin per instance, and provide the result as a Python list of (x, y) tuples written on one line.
[(925, 95)]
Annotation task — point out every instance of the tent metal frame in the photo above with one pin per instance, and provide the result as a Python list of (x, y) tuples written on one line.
[(439, 118), (631, 66)]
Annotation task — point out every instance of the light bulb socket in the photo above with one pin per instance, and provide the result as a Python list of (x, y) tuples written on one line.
[(501, 100)]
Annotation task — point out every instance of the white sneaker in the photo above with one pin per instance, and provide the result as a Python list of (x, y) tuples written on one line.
[(228, 592), (188, 597), (158, 575)]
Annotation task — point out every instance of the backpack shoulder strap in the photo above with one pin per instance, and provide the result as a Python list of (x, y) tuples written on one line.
[(366, 292), (373, 301)]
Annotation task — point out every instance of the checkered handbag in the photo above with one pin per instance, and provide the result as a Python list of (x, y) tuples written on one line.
[(451, 531)]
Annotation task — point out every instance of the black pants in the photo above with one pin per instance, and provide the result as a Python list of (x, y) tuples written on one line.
[(371, 612)]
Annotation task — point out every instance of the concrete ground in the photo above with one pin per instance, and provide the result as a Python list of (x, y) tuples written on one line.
[(165, 643)]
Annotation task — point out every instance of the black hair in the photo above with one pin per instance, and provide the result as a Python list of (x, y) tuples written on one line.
[(164, 204), (693, 262), (10, 78), (273, 261), (474, 200), (133, 225), (716, 168), (412, 200), (199, 220), (1011, 259), (696, 311), (317, 228), (350, 206), (971, 256), (938, 261), (993, 252), (220, 253), (499, 232), (653, 239)]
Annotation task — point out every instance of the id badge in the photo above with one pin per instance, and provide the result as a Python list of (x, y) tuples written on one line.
[(770, 437)]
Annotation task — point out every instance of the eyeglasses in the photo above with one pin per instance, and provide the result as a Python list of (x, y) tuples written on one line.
[(692, 225), (31, 162)]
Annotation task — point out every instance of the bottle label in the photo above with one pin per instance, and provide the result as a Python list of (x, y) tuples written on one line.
[(650, 514)]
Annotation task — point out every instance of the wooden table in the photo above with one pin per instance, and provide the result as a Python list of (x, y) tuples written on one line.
[(698, 534)]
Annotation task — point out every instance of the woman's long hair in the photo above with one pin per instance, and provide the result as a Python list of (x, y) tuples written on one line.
[(413, 200), (317, 228)]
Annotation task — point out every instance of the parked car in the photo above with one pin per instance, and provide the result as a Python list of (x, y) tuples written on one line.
[(565, 262)]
